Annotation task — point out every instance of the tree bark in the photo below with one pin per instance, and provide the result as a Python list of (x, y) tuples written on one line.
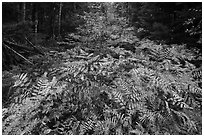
[(18, 12), (59, 22), (35, 20), (52, 20), (24, 12)]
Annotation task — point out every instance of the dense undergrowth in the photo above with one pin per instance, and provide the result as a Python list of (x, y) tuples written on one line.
[(109, 84)]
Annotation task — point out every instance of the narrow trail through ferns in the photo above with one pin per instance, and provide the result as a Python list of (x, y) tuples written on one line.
[(110, 83)]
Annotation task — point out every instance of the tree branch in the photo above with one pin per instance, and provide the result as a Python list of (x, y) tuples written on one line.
[(18, 54)]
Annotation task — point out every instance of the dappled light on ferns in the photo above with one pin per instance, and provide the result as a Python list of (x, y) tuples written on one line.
[(101, 95), (150, 89)]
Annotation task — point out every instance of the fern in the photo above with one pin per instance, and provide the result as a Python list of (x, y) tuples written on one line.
[(120, 88), (197, 75)]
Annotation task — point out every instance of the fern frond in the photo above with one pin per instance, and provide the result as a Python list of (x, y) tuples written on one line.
[(194, 89), (197, 74), (22, 80), (118, 98)]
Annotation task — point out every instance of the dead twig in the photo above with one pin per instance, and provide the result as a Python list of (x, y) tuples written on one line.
[(33, 45), (18, 54)]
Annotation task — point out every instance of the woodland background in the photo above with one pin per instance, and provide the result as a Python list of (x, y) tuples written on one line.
[(101, 68)]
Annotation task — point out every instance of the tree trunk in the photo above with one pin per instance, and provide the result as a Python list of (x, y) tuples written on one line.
[(24, 12), (52, 20), (59, 22), (36, 27), (35, 20), (19, 11)]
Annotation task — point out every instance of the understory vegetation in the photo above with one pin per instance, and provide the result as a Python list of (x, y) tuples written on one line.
[(103, 80)]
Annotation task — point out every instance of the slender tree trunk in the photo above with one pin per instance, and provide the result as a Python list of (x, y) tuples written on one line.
[(19, 11), (36, 27), (24, 12), (35, 20), (52, 20), (59, 25)]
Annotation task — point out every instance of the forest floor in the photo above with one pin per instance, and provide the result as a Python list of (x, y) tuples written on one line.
[(103, 80)]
